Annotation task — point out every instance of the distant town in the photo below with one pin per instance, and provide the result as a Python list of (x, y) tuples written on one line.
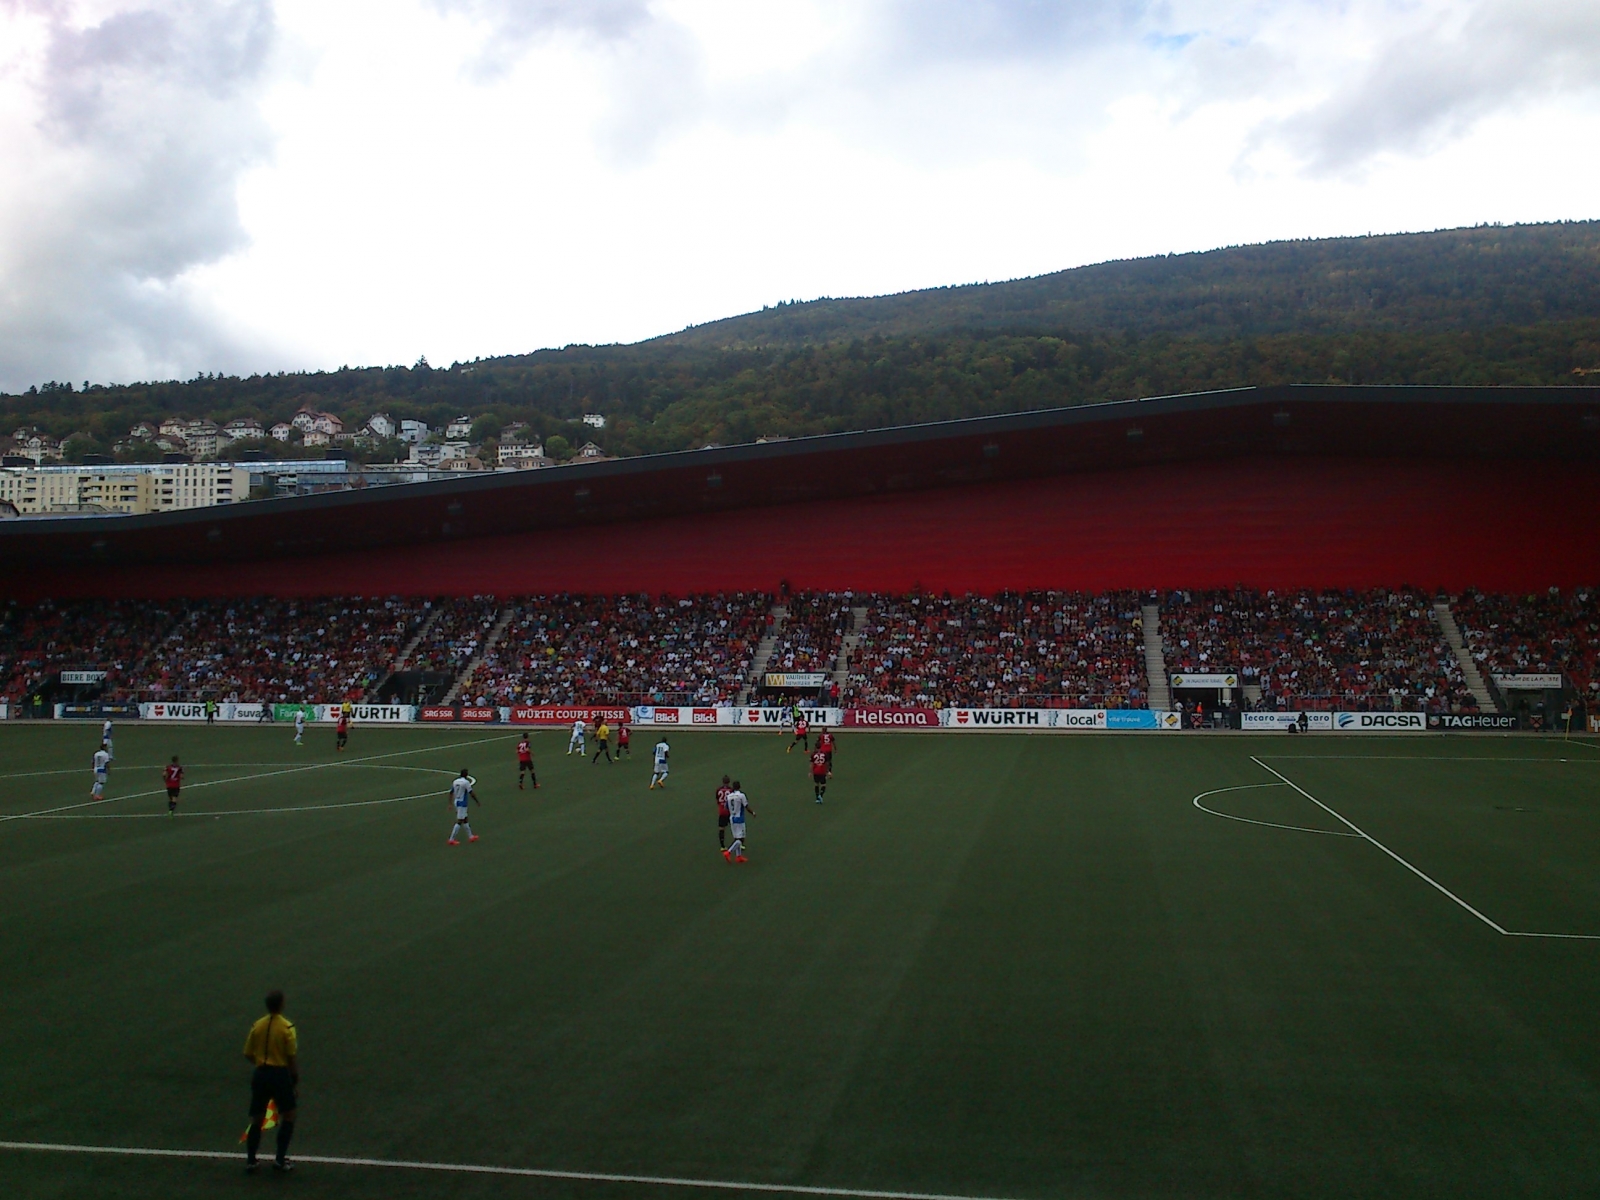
[(182, 463)]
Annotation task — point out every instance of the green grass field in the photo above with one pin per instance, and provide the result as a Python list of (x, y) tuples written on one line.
[(990, 965)]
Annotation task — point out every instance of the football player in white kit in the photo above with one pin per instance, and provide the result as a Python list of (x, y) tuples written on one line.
[(461, 791), (658, 771), (575, 742), (299, 726), (738, 805), (102, 760), (105, 738)]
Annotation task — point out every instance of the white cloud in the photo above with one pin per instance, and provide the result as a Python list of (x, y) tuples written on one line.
[(465, 177)]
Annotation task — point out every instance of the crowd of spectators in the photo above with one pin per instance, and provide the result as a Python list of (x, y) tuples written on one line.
[(1013, 650), (623, 650), (812, 633), (278, 650), (1545, 633), (223, 650), (115, 636), (1349, 650), (458, 630)]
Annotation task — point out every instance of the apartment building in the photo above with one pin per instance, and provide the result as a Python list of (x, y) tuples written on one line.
[(124, 488)]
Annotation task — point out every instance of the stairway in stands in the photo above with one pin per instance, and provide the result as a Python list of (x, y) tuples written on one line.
[(496, 632), (758, 665), (847, 648), (1155, 661), (1469, 666), (405, 654)]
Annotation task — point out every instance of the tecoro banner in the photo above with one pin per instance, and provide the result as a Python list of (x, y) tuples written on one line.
[(1529, 683), (1379, 722), (1200, 679), (1283, 720), (1471, 721), (82, 676), (554, 714), (791, 679), (891, 718)]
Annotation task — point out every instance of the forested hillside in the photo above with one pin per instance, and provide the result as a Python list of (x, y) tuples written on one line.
[(1479, 306)]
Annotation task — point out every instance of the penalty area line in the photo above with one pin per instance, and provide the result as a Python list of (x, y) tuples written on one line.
[(726, 1185)]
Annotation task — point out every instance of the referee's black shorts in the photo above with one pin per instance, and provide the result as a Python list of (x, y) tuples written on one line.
[(275, 1084)]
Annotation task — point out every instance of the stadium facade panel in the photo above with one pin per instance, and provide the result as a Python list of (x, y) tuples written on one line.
[(1265, 487)]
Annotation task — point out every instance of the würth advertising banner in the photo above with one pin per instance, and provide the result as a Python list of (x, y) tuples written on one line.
[(554, 714)]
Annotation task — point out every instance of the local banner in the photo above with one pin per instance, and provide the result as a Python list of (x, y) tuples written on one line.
[(1379, 722)]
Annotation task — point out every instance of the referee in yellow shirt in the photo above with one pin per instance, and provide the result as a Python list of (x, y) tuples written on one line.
[(271, 1047)]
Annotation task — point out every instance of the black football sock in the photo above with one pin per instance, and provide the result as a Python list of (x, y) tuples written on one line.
[(285, 1132), (253, 1142)]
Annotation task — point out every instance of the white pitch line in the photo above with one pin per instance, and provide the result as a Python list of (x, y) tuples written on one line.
[(242, 778), (1250, 821), (1467, 758), (1417, 871), (727, 1185), (238, 812)]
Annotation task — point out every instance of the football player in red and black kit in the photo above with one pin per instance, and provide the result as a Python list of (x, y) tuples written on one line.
[(819, 772), (622, 741), (722, 813), (172, 780), (801, 734), (825, 744), (341, 732), (525, 763)]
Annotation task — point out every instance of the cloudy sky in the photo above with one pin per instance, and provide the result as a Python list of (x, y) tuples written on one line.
[(243, 185)]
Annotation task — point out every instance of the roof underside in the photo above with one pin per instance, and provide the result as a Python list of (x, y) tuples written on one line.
[(1528, 424)]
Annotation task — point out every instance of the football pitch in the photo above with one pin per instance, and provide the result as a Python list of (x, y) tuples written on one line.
[(1008, 966)]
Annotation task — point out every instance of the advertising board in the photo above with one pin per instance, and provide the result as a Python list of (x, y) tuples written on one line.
[(766, 714), (1136, 718), (1379, 722), (162, 710), (1024, 718), (668, 715), (793, 679), (436, 712), (1203, 679), (555, 714), (82, 676), (1550, 682), (878, 717), (1450, 722), (1594, 722), (1317, 721), (367, 714)]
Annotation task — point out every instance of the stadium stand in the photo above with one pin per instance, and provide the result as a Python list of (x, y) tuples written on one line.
[(812, 633), (623, 650), (38, 642), (1538, 634), (1013, 650), (277, 650), (456, 634), (1319, 650)]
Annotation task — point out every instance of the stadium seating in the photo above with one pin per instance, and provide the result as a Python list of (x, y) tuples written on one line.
[(114, 636), (623, 650), (813, 632), (455, 635), (1318, 650), (1014, 650), (1540, 634), (277, 650)]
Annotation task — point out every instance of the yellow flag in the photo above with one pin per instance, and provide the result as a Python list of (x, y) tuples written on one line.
[(270, 1121)]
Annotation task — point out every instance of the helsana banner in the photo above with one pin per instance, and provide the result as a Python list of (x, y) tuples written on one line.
[(872, 717)]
